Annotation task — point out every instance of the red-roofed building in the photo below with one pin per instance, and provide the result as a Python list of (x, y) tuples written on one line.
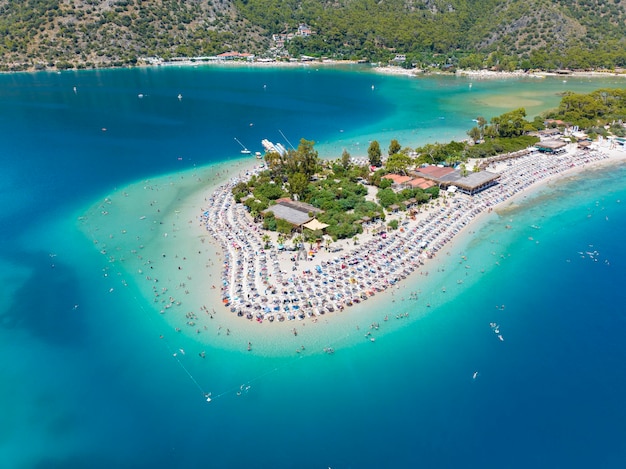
[(421, 183), (427, 185), (467, 182), (397, 178), (435, 171)]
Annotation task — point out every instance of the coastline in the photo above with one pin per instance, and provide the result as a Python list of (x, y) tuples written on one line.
[(177, 265), (392, 70), (492, 74), (191, 62)]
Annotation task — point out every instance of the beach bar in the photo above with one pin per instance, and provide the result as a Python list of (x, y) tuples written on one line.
[(551, 146), (467, 182), (294, 212)]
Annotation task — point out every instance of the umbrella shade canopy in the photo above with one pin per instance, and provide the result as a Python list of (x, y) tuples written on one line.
[(315, 224)]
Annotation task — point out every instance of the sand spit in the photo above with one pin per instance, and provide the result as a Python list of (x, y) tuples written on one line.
[(198, 259), (261, 285), (492, 74)]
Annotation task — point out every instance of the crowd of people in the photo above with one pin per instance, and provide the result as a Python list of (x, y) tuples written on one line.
[(259, 283)]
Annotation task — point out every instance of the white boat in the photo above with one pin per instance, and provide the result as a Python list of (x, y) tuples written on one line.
[(268, 146), (244, 150), (273, 148), (475, 375)]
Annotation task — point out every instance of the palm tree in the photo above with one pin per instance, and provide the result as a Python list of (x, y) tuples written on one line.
[(297, 240), (481, 121), (266, 240)]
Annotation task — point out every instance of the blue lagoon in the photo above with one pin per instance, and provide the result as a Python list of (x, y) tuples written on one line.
[(94, 376)]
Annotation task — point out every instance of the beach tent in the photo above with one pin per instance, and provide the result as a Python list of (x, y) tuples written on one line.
[(315, 224)]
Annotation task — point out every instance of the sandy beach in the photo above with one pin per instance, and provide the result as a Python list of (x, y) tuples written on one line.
[(171, 235), (492, 74)]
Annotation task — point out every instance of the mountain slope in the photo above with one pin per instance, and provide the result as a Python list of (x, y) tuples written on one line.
[(117, 32), (471, 33)]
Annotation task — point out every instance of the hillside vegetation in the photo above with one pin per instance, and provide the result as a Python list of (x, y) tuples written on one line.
[(501, 34), (85, 33)]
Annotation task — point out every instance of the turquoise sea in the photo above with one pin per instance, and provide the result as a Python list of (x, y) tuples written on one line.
[(86, 382)]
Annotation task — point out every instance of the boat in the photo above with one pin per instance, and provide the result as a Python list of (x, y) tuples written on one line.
[(244, 150), (273, 148), (475, 375)]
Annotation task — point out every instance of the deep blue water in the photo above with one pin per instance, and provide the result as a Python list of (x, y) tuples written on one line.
[(95, 387)]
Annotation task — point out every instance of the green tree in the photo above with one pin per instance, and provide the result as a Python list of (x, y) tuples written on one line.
[(384, 183), (269, 191), (283, 226), (474, 133), (346, 162), (398, 163), (240, 191), (298, 183), (481, 123), (274, 163), (307, 158), (491, 131), (394, 147), (387, 197), (269, 223), (374, 153), (511, 124)]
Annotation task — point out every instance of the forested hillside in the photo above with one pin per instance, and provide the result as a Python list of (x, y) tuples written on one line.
[(85, 33), (504, 34), (508, 34)]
